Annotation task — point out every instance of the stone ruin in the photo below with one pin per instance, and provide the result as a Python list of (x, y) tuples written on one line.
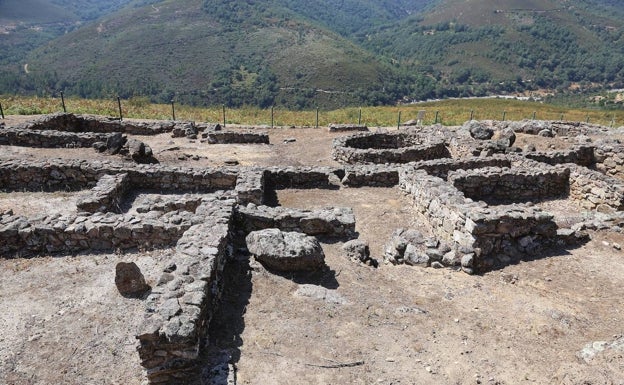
[(480, 198)]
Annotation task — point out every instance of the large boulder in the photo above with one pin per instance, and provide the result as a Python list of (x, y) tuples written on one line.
[(285, 251), (479, 130), (140, 152), (506, 137)]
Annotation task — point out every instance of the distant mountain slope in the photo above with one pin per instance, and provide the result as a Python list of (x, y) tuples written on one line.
[(303, 53), (27, 24), (481, 46), (237, 53)]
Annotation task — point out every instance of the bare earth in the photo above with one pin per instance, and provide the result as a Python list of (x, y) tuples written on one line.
[(63, 321)]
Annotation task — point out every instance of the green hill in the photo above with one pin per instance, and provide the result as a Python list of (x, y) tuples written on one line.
[(207, 52), (300, 54)]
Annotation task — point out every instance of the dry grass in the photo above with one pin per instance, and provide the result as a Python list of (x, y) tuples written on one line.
[(449, 112)]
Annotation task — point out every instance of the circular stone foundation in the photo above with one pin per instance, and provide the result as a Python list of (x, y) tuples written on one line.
[(381, 148)]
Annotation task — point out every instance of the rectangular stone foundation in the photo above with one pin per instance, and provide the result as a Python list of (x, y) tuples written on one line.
[(487, 236)]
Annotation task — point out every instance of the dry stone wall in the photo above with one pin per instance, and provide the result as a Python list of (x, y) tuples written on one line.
[(180, 307), (333, 222), (73, 175), (51, 139), (381, 148), (498, 185), (91, 123), (483, 237)]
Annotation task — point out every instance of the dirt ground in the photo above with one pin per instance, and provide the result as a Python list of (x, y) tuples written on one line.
[(63, 321)]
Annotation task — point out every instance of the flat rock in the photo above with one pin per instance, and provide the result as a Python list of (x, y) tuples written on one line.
[(320, 293), (286, 251)]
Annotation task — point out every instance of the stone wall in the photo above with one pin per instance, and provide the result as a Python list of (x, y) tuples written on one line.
[(250, 186), (595, 191), (371, 175), (381, 148), (346, 127), (50, 138), (582, 155), (106, 195), (21, 236), (232, 137), (496, 185), (180, 307), (482, 237), (557, 127), (282, 178), (91, 123), (59, 174), (441, 167), (609, 158), (334, 222)]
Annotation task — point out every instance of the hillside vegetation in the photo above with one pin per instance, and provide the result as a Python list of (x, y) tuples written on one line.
[(302, 54)]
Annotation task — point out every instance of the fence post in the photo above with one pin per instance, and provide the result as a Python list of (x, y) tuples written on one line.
[(173, 109), (471, 114), (63, 102), (436, 118), (399, 121), (504, 115), (613, 121), (1, 111), (317, 117), (534, 113), (272, 115), (561, 117), (360, 118), (587, 119), (119, 105), (224, 116)]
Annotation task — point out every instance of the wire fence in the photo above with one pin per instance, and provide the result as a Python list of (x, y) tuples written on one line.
[(450, 114)]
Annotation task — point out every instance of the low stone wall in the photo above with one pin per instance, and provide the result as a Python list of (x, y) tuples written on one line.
[(282, 178), (346, 127), (233, 137), (20, 236), (582, 155), (609, 158), (381, 148), (106, 195), (336, 222), (496, 185), (250, 186), (558, 127), (595, 191), (180, 307), (482, 237), (441, 167), (91, 123), (59, 174), (50, 139), (371, 175)]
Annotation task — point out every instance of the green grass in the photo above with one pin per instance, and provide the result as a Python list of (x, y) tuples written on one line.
[(450, 112)]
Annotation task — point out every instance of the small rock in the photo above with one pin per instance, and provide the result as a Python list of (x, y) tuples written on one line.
[(129, 280), (617, 246), (437, 265), (290, 140), (231, 162), (467, 260)]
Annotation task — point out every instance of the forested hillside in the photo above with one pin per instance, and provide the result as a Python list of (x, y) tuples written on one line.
[(301, 54)]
